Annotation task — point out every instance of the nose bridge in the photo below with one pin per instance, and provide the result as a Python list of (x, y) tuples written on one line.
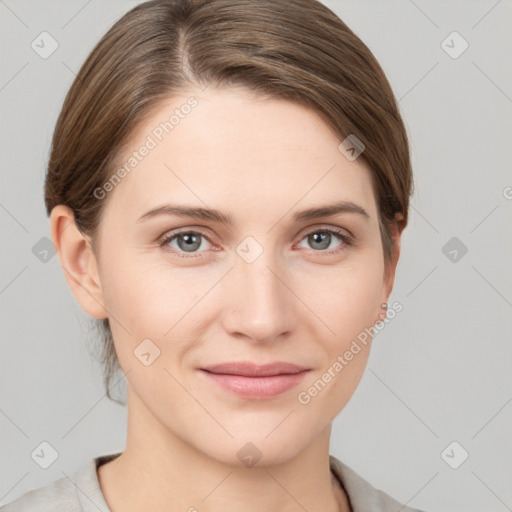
[(259, 301)]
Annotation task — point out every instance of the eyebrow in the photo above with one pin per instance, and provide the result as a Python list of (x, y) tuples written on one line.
[(194, 212)]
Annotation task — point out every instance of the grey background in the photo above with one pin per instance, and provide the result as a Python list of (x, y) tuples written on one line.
[(439, 372)]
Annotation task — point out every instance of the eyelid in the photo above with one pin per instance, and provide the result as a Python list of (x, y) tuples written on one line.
[(326, 227)]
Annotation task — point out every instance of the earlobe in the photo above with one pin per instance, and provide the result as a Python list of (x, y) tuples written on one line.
[(78, 261)]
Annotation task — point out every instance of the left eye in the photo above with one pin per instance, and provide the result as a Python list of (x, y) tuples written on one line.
[(324, 237), (191, 241)]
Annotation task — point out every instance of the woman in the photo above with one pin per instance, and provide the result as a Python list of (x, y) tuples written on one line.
[(227, 188)]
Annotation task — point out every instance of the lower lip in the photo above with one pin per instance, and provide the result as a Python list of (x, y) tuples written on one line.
[(257, 388)]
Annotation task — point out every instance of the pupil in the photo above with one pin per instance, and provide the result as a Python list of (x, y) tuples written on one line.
[(322, 238)]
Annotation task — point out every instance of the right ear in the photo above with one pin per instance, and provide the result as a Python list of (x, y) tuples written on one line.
[(78, 261)]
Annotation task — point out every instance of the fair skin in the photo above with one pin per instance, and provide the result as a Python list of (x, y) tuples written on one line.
[(301, 301)]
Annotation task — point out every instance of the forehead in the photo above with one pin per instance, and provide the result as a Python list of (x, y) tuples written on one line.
[(223, 147)]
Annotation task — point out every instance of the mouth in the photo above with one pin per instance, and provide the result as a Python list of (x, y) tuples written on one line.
[(256, 382), (248, 369)]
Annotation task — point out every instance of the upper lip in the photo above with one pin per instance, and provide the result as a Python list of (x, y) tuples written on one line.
[(248, 369)]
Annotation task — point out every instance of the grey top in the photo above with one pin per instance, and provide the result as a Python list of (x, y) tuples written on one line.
[(83, 493)]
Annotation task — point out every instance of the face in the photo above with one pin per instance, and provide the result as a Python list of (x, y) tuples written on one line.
[(184, 293)]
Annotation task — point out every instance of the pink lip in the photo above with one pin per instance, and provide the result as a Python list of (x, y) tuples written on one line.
[(256, 381)]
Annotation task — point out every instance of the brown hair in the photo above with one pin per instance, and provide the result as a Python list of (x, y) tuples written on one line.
[(297, 50)]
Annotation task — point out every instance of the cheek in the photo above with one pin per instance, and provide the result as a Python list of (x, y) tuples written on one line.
[(347, 310), (152, 300), (345, 298)]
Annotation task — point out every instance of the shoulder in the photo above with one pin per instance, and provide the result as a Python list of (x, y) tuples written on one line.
[(78, 492), (362, 495), (58, 495)]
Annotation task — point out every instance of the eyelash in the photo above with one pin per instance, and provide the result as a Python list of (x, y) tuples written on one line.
[(348, 240)]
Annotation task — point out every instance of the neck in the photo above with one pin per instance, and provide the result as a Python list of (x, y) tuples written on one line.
[(161, 472)]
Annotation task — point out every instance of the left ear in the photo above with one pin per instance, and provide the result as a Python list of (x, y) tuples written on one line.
[(389, 272)]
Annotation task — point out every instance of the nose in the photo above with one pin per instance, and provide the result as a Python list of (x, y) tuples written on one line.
[(259, 305)]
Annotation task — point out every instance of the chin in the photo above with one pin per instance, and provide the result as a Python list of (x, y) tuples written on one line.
[(257, 444), (255, 453)]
